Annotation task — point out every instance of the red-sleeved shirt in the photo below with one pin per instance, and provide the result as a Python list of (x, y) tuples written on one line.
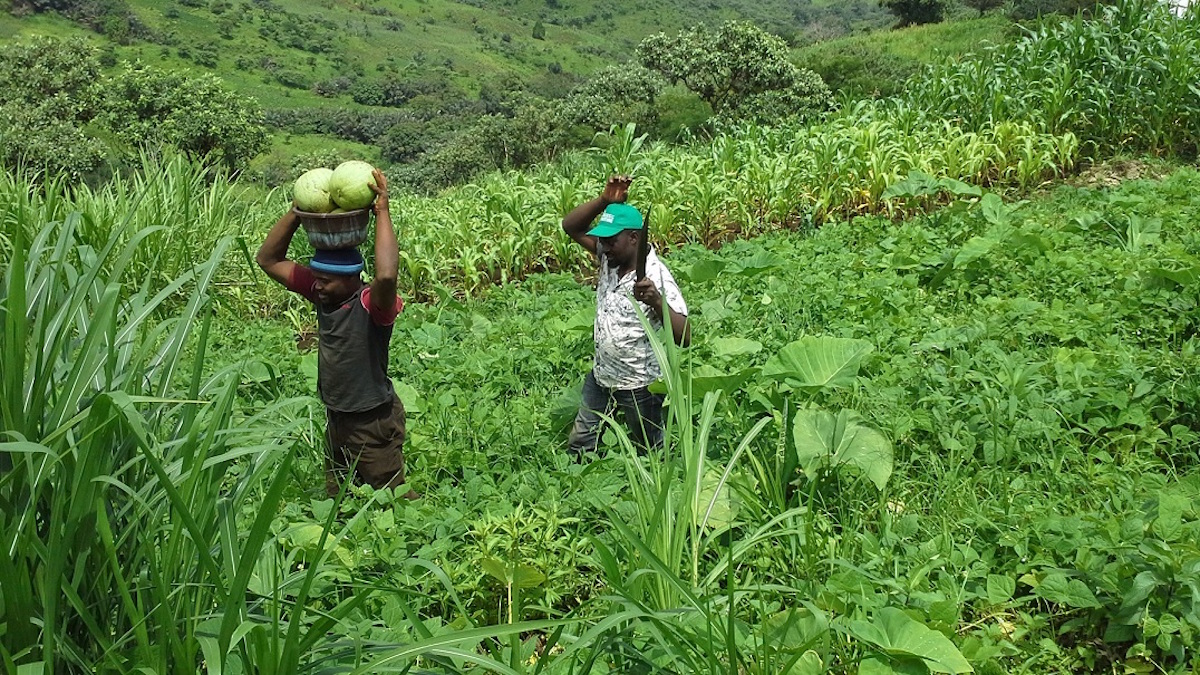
[(303, 283), (352, 353)]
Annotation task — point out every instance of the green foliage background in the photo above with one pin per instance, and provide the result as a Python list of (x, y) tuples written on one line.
[(938, 417)]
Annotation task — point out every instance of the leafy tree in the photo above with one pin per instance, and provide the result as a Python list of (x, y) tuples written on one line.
[(734, 70), (539, 31), (406, 141), (615, 95), (61, 113), (984, 6), (194, 113), (110, 17), (50, 89), (913, 12)]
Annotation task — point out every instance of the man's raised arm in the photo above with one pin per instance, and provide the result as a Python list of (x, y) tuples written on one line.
[(579, 220), (272, 255), (387, 251)]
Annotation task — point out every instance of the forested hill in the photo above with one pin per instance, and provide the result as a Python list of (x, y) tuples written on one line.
[(434, 91), (288, 52), (425, 87)]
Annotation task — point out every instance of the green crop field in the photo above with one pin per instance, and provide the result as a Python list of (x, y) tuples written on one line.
[(938, 414)]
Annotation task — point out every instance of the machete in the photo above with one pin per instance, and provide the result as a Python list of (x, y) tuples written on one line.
[(643, 246)]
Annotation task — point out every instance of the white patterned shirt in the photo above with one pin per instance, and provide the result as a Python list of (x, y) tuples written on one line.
[(624, 358)]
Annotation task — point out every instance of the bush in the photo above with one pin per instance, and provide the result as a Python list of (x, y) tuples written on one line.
[(862, 69), (194, 113), (49, 90), (740, 70), (913, 12)]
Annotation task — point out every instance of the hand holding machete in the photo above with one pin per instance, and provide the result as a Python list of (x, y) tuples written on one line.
[(643, 245)]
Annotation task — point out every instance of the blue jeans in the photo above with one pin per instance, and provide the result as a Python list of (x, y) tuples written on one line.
[(641, 409)]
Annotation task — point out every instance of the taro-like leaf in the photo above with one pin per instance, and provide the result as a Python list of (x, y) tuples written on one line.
[(994, 209), (735, 346), (757, 264), (827, 441), (974, 249), (809, 663), (723, 501), (817, 362), (916, 184), (795, 630), (902, 637), (875, 665), (705, 270), (705, 378)]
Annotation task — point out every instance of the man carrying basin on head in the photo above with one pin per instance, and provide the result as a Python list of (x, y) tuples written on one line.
[(625, 364), (365, 419)]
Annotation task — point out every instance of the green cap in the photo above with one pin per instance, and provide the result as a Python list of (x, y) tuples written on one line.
[(615, 218)]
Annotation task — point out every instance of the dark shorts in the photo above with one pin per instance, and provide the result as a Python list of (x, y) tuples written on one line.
[(374, 438)]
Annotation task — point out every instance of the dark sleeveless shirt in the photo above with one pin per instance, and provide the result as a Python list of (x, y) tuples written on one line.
[(352, 357)]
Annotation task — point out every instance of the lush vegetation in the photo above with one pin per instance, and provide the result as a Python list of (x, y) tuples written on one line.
[(430, 86), (65, 117), (939, 415)]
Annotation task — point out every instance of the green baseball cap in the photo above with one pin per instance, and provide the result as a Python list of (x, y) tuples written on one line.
[(615, 218)]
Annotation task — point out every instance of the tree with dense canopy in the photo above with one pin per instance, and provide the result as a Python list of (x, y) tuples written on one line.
[(741, 71), (63, 114)]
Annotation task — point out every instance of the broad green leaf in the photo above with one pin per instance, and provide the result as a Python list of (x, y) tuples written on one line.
[(1000, 588), (757, 264), (705, 270), (385, 520), (818, 362), (1169, 521), (974, 249), (1058, 588), (724, 502), (582, 321), (809, 663), (827, 441), (308, 368), (527, 576), (258, 372), (412, 401), (994, 209), (959, 188), (794, 630), (735, 346), (304, 535), (916, 184), (519, 576), (1183, 276), (899, 635), (1029, 240), (875, 665), (705, 378), (495, 569)]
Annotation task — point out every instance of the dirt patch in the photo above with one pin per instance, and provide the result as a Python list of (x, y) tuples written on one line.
[(1114, 172)]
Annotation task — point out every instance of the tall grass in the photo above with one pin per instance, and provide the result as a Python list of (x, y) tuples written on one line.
[(1124, 81), (120, 516)]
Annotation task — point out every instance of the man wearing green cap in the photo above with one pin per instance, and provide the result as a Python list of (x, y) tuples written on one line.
[(625, 364), (365, 419)]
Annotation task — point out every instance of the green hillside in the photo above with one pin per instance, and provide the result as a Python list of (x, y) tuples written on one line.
[(276, 50), (426, 71), (938, 414)]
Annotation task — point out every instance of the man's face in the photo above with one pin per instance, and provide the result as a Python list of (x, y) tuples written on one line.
[(621, 248), (334, 289)]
